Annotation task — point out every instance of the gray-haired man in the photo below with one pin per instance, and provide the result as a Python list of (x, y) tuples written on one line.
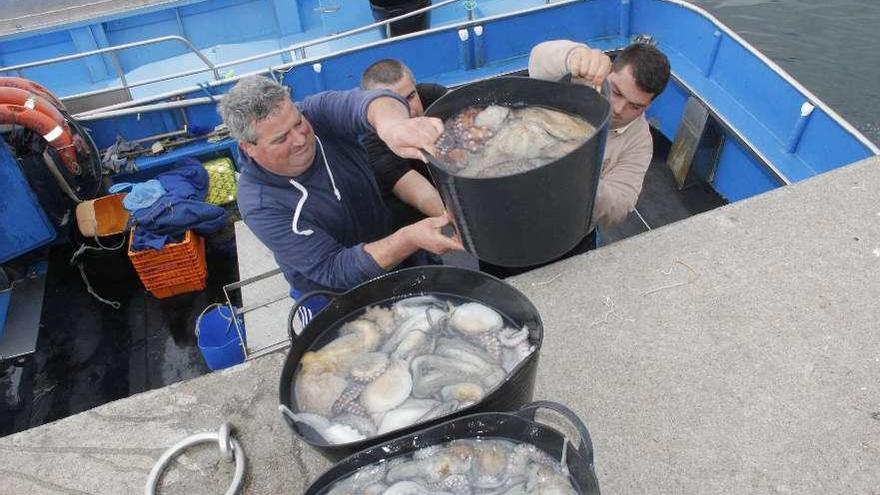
[(307, 192)]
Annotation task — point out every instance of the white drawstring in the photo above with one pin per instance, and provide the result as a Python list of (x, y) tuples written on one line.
[(299, 206), (327, 166), (305, 193)]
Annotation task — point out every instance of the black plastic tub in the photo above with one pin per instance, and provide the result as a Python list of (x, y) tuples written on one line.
[(386, 9), (535, 216), (512, 393), (567, 441)]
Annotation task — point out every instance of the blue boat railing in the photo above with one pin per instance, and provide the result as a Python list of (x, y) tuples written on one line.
[(297, 50), (119, 73)]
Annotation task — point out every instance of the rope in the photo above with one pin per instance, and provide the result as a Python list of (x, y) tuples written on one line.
[(82, 272), (642, 219), (102, 246)]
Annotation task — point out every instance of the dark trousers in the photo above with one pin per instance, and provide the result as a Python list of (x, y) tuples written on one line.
[(587, 244)]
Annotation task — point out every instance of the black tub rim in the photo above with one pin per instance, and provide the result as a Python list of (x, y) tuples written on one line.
[(536, 335), (604, 122), (323, 482)]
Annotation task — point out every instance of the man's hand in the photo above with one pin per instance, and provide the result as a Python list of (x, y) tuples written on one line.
[(588, 65), (406, 138), (427, 235)]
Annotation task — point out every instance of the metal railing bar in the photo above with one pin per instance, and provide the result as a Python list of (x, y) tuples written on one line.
[(116, 48), (286, 66), (333, 37), (204, 100), (256, 278), (452, 26), (152, 98), (262, 304), (298, 49), (135, 85)]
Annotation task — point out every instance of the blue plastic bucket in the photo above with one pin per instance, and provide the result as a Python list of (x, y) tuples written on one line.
[(218, 338), (5, 297)]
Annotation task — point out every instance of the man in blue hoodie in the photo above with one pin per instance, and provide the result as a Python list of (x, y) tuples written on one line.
[(307, 191)]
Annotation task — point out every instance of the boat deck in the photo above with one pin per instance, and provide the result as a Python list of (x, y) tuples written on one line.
[(89, 354), (732, 352)]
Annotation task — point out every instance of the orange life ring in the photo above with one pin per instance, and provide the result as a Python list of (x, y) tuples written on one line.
[(57, 135), (31, 86), (16, 96)]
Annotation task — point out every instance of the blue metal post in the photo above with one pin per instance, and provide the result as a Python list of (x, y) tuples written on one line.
[(713, 55), (84, 41), (180, 26), (100, 37), (471, 7), (624, 19), (795, 137), (170, 121), (464, 49), (479, 40)]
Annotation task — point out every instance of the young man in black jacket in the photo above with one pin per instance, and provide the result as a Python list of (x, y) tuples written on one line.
[(404, 183)]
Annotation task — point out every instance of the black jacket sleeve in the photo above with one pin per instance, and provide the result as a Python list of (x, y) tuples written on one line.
[(387, 166)]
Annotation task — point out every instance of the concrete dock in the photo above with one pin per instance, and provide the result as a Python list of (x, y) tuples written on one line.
[(735, 352)]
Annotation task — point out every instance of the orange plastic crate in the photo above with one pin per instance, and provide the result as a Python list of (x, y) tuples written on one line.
[(179, 264), (191, 248), (174, 280), (175, 269), (182, 288), (158, 279)]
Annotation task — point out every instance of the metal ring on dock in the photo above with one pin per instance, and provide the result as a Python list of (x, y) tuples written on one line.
[(229, 448)]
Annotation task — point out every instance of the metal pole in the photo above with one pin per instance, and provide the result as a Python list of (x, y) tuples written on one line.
[(150, 108), (115, 48)]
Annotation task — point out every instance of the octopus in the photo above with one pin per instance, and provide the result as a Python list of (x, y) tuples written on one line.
[(475, 318), (368, 366), (499, 140), (347, 401), (467, 466), (389, 390), (420, 358)]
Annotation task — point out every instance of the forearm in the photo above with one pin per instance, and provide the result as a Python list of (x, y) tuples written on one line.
[(416, 191), (549, 60), (384, 112), (392, 250)]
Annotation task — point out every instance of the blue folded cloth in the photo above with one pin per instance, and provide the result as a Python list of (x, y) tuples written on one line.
[(140, 194), (179, 209)]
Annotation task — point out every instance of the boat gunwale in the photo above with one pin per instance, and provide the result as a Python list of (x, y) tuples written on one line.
[(812, 98), (780, 71)]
